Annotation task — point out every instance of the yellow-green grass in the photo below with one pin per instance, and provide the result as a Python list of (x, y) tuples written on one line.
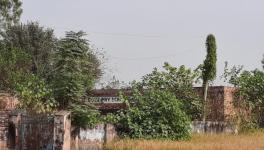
[(249, 141)]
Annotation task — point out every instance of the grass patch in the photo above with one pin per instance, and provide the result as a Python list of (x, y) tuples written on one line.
[(245, 141)]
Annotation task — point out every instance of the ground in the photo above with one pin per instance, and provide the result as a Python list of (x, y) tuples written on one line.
[(246, 141)]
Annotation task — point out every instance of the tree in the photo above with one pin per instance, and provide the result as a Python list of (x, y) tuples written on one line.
[(34, 93), (161, 105), (249, 97), (10, 13), (178, 81), (75, 70), (12, 61), (209, 67), (156, 113), (34, 40)]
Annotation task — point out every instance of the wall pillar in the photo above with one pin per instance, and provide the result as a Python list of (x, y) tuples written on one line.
[(62, 131)]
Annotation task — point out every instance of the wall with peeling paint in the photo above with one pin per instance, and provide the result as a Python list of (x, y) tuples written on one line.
[(94, 138)]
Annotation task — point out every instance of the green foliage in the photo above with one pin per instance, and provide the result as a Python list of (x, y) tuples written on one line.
[(47, 74), (11, 62), (35, 41), (178, 81), (35, 95), (155, 114), (209, 66), (10, 12), (76, 69), (161, 105), (22, 48), (84, 115), (250, 94)]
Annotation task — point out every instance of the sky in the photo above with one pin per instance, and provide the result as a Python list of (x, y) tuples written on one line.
[(138, 35)]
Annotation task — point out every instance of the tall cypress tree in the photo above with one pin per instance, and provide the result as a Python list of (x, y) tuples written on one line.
[(209, 67)]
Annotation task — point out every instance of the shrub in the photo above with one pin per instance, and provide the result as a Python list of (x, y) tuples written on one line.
[(155, 114)]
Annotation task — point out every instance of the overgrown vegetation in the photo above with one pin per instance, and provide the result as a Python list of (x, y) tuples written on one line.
[(49, 73), (45, 72), (10, 13), (161, 105), (249, 100), (75, 69)]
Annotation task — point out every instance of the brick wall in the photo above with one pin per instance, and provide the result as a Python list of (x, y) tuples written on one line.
[(219, 101), (7, 103), (3, 129)]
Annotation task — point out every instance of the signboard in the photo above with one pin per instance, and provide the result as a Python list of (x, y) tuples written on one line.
[(103, 100)]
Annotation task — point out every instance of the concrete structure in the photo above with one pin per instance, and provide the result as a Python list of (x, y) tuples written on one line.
[(93, 138), (35, 131), (62, 131), (21, 130), (213, 127), (219, 101)]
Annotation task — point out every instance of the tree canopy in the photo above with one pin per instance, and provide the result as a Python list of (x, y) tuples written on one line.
[(249, 96), (161, 105), (10, 13), (209, 66)]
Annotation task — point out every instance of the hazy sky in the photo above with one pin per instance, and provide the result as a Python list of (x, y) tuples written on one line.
[(138, 35)]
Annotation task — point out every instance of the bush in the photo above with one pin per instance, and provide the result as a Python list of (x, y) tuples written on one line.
[(155, 114), (35, 95), (249, 100)]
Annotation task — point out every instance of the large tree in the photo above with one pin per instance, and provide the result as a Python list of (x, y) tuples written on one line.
[(76, 68), (179, 81), (10, 11), (209, 67), (25, 64), (35, 41), (161, 105)]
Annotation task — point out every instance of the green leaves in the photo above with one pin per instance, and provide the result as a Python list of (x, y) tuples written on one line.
[(73, 75), (10, 12), (209, 66), (35, 41), (76, 68), (84, 115), (155, 114), (48, 74), (34, 94), (250, 94), (178, 81), (161, 105)]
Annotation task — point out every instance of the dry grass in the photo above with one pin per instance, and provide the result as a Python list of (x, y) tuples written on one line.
[(253, 141)]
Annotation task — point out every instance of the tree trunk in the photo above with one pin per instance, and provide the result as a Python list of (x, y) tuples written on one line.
[(205, 85)]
